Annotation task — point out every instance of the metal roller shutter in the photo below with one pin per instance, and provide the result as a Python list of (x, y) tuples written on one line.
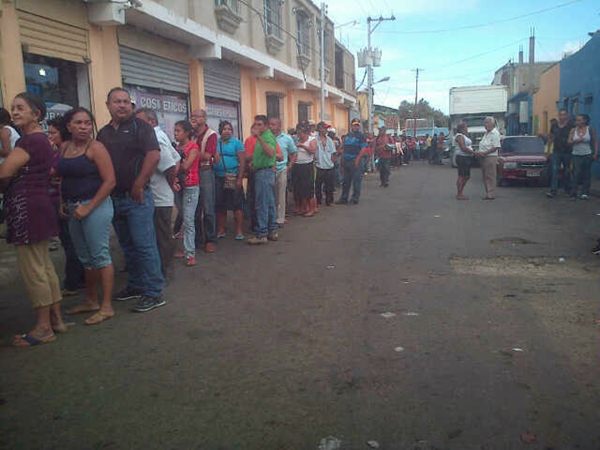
[(222, 80), (143, 69), (45, 37)]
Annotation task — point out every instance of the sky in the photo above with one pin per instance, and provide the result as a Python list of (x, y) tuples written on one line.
[(425, 35)]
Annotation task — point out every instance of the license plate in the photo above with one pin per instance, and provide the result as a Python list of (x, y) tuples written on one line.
[(533, 173)]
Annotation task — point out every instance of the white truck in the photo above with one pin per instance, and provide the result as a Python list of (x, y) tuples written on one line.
[(472, 104)]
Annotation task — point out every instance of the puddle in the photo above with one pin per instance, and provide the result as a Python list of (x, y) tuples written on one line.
[(511, 240)]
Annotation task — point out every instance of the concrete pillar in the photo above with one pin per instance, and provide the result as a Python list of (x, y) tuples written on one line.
[(12, 72), (197, 100)]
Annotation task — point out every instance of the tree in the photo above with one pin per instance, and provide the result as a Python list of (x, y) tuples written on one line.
[(424, 111)]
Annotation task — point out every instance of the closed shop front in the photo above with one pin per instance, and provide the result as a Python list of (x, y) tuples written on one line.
[(222, 93), (55, 58), (157, 83)]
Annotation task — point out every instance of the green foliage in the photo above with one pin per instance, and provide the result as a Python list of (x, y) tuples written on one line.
[(424, 111)]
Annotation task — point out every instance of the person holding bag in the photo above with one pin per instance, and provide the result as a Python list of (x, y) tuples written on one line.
[(229, 173)]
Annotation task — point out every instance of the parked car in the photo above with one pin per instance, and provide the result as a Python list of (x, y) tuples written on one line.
[(523, 158)]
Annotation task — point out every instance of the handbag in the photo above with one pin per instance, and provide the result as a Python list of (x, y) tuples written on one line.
[(230, 179)]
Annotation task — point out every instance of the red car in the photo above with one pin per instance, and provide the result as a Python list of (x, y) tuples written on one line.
[(523, 158)]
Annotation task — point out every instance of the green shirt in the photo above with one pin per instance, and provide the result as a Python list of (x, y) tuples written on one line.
[(260, 160)]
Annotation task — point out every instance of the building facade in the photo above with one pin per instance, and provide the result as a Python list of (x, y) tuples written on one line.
[(545, 100), (580, 81), (234, 58)]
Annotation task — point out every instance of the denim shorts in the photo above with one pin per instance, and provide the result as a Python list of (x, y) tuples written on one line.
[(91, 235)]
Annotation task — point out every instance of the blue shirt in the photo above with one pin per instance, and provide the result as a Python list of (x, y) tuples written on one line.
[(228, 153), (353, 144), (325, 153), (288, 148)]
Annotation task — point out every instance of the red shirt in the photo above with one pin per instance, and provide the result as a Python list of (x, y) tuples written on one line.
[(192, 178), (211, 146)]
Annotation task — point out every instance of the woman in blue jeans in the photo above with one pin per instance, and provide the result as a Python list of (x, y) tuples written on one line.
[(585, 148), (88, 178)]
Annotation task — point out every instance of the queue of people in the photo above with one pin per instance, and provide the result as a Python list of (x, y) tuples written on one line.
[(73, 183)]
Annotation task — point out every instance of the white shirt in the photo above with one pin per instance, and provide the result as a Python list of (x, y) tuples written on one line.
[(14, 137), (468, 143), (161, 191), (304, 156), (490, 140)]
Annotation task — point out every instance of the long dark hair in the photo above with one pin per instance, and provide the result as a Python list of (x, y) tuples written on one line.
[(59, 123), (68, 117), (223, 124)]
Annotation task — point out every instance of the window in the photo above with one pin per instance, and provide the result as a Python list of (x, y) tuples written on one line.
[(303, 25), (339, 68), (326, 40), (231, 4), (303, 111), (273, 17), (274, 105)]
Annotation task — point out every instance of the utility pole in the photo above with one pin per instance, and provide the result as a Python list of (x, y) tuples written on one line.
[(417, 70), (323, 50), (377, 22)]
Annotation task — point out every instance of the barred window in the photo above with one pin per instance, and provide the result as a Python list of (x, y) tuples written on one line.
[(231, 4), (273, 17), (303, 25)]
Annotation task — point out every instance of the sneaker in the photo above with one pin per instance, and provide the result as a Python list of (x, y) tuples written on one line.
[(146, 304), (584, 197), (190, 261), (258, 240), (551, 194), (341, 202), (127, 294), (273, 236), (596, 249)]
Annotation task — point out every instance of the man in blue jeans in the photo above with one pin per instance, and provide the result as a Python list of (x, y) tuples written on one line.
[(354, 148), (561, 153), (135, 153), (263, 164)]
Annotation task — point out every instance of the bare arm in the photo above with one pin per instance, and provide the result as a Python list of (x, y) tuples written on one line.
[(187, 162), (460, 140), (100, 157), (5, 141), (241, 169), (13, 162)]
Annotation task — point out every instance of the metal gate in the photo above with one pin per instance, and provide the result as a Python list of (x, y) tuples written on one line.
[(222, 80), (143, 69)]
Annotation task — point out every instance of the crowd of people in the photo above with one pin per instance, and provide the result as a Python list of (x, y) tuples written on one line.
[(165, 200)]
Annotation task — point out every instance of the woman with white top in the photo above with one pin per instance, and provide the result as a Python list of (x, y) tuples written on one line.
[(8, 135), (303, 171), (464, 159), (585, 149)]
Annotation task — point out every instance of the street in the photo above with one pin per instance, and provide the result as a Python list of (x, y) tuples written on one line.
[(490, 341)]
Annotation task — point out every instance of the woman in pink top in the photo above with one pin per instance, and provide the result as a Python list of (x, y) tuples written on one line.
[(191, 189)]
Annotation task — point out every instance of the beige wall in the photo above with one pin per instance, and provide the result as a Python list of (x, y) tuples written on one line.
[(12, 73), (544, 100)]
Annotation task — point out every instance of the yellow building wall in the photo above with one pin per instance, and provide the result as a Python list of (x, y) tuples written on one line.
[(341, 119), (105, 69), (12, 73), (544, 100), (197, 100), (248, 100)]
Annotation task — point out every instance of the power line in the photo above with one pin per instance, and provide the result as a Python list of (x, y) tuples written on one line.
[(460, 61), (485, 24)]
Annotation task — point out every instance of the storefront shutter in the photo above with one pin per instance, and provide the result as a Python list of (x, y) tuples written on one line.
[(42, 36), (222, 80), (142, 69)]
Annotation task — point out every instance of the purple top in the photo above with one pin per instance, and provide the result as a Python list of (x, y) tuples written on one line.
[(30, 215)]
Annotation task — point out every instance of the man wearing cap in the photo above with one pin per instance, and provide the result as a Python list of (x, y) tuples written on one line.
[(288, 151), (354, 148)]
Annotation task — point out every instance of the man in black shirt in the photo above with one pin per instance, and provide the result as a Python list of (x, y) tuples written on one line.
[(561, 154), (135, 153)]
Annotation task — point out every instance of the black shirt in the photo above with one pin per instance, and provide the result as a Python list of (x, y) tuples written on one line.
[(560, 138), (127, 146)]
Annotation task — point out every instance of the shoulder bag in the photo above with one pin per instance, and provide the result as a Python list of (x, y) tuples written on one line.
[(230, 179)]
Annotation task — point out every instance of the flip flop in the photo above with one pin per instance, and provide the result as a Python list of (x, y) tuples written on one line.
[(98, 318), (26, 340), (81, 309)]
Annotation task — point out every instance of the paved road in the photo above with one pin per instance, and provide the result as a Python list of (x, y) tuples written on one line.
[(283, 346)]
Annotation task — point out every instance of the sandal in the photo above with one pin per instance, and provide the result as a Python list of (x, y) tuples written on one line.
[(27, 340), (60, 329), (81, 309), (98, 318)]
